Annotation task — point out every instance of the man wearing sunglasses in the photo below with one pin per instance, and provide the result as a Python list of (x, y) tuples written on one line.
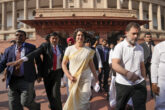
[(20, 79)]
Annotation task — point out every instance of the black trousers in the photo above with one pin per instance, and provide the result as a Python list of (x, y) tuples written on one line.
[(137, 92), (148, 73), (105, 73), (52, 84)]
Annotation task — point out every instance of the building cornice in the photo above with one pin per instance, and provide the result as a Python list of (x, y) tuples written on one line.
[(159, 2), (9, 0), (109, 12)]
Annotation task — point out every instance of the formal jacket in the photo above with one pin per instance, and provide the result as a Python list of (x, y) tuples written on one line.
[(95, 60), (147, 52), (45, 49), (29, 67), (102, 53)]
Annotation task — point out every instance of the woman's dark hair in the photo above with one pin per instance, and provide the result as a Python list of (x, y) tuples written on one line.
[(88, 40), (77, 30)]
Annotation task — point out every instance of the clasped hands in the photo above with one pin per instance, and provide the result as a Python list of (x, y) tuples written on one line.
[(72, 79), (132, 76)]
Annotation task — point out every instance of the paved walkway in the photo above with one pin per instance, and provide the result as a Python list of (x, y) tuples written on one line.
[(98, 102)]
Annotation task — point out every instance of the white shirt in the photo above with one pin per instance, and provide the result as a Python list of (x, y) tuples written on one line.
[(58, 57), (98, 59), (110, 56), (152, 47), (131, 58), (158, 63)]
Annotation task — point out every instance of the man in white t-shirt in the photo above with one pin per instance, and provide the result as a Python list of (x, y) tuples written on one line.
[(128, 62)]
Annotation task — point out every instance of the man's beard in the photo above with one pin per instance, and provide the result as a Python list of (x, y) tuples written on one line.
[(132, 42)]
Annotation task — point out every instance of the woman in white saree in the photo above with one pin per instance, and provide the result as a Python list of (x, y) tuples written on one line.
[(81, 65)]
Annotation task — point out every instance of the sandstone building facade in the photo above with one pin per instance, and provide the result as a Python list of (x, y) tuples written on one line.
[(12, 11)]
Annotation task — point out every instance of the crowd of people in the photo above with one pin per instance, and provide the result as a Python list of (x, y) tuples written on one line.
[(120, 70)]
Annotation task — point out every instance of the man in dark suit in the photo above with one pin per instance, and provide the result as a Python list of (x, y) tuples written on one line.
[(104, 54), (20, 79), (148, 48), (52, 71), (1, 54)]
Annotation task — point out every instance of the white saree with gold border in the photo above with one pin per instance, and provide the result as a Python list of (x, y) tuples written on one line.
[(79, 92)]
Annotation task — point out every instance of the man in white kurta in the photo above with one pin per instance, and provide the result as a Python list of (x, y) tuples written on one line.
[(158, 75)]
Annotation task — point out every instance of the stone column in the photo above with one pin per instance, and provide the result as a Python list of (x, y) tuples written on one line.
[(159, 17), (25, 11), (92, 2), (4, 16), (105, 3), (64, 3), (50, 3), (130, 4), (118, 4), (37, 4), (150, 16), (77, 3), (141, 10), (14, 17)]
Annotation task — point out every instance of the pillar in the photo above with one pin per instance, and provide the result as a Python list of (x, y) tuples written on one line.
[(150, 16), (25, 11), (159, 17), (77, 3), (105, 3), (118, 4), (50, 3), (130, 4), (4, 16), (37, 4), (141, 10), (14, 17)]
